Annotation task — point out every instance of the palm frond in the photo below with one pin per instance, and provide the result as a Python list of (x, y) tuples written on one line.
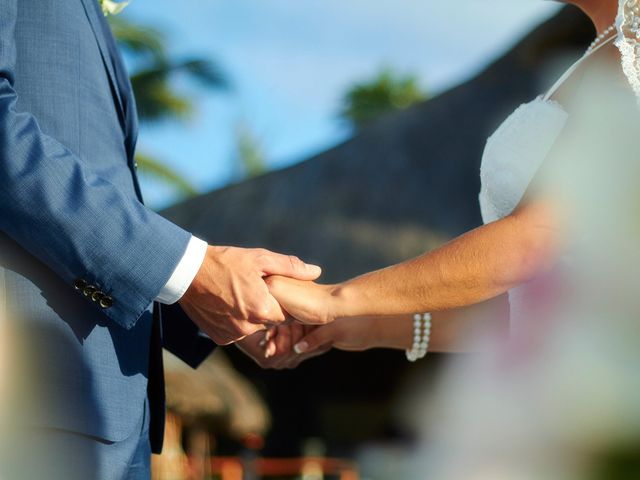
[(205, 71), (155, 168), (387, 92), (250, 154), (157, 100), (137, 39)]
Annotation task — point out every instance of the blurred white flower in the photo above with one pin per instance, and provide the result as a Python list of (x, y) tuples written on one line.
[(111, 7)]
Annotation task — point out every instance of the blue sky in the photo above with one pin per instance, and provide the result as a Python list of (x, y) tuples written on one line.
[(290, 62)]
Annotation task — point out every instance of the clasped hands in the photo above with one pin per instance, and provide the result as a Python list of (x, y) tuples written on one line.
[(267, 304)]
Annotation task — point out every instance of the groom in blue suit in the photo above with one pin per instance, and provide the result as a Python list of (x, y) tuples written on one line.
[(93, 283)]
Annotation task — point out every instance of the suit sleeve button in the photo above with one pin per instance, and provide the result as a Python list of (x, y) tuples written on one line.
[(105, 302), (79, 284), (89, 290), (96, 296)]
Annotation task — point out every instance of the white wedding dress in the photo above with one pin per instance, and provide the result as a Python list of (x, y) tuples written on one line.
[(512, 156)]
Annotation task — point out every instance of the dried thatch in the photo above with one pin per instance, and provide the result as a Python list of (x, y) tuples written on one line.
[(215, 395)]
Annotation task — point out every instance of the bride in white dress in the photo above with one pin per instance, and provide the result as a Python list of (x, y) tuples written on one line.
[(522, 238)]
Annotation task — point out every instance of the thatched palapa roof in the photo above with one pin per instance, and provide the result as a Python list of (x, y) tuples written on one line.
[(215, 395)]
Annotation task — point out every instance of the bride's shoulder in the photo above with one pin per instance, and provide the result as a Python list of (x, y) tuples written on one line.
[(599, 81), (604, 72)]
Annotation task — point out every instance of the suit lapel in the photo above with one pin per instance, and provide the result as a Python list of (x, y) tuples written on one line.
[(118, 79), (91, 8)]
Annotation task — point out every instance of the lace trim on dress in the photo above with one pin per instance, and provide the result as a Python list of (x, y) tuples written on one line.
[(551, 102), (628, 41)]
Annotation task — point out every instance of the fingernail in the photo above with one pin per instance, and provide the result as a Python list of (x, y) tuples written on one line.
[(301, 347), (314, 269), (271, 351)]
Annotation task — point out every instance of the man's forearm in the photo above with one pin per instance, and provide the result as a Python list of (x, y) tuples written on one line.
[(115, 252)]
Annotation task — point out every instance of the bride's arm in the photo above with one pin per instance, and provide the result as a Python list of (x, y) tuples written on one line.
[(451, 331), (472, 268)]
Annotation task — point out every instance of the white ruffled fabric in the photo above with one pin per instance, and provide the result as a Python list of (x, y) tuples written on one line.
[(514, 153), (628, 41)]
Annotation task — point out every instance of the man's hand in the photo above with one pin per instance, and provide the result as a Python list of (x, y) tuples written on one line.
[(274, 348), (229, 299)]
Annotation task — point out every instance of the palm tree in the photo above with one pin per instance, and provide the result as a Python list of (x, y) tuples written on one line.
[(250, 153), (387, 92), (156, 97)]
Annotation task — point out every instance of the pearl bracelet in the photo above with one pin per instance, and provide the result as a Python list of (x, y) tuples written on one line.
[(421, 334)]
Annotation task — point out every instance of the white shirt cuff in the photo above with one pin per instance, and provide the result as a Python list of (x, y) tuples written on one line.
[(184, 273)]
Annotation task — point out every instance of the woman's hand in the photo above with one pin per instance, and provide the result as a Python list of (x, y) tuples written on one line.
[(274, 348), (359, 334), (307, 302), (353, 335)]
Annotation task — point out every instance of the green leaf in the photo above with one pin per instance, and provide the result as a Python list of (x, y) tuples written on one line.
[(250, 152), (387, 92), (155, 97), (157, 169), (139, 40)]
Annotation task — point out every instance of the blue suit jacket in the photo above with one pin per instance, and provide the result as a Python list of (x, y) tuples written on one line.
[(81, 258)]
